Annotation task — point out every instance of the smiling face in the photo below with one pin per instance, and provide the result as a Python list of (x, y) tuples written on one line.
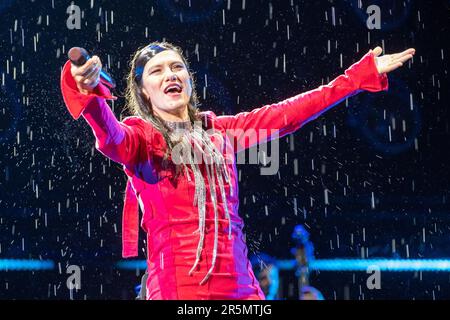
[(166, 84)]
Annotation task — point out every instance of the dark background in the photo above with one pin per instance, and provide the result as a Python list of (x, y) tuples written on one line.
[(53, 207)]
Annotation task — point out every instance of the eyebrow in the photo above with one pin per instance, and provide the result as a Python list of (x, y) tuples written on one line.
[(160, 64)]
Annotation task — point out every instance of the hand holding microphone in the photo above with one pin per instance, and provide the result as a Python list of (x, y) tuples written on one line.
[(87, 71)]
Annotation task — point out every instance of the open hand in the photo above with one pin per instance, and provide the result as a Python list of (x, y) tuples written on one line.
[(389, 62)]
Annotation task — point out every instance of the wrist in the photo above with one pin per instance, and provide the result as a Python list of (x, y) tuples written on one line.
[(84, 90)]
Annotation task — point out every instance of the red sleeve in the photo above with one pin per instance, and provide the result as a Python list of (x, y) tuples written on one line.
[(74, 100), (276, 120), (121, 142)]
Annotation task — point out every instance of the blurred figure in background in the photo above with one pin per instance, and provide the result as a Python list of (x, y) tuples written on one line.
[(141, 289), (267, 273), (304, 255), (266, 269)]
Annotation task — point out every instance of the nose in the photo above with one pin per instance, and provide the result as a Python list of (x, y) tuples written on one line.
[(171, 76)]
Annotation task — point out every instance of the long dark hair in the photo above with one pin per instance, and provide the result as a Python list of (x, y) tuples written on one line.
[(137, 104)]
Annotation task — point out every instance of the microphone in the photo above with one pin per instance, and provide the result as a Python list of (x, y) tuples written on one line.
[(78, 56)]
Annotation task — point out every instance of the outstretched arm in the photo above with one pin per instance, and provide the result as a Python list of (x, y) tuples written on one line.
[(276, 120), (84, 95)]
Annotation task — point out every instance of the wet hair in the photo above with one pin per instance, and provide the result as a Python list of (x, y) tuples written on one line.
[(139, 105)]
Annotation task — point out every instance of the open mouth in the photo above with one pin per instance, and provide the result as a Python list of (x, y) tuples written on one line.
[(173, 89)]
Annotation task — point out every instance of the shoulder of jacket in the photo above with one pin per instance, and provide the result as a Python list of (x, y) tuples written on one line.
[(208, 114), (134, 121)]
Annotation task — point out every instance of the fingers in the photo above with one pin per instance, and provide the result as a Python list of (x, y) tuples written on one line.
[(410, 51), (390, 62), (87, 75), (93, 79), (377, 51), (91, 72), (404, 58), (88, 67)]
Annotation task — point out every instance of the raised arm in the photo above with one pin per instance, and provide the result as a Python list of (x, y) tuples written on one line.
[(276, 120), (85, 96)]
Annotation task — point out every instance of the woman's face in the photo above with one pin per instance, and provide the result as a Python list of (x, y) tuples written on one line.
[(166, 83)]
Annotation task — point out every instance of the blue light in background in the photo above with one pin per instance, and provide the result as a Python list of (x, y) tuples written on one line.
[(17, 265), (393, 265), (132, 264)]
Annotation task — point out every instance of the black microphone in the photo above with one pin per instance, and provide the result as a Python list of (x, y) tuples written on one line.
[(78, 56)]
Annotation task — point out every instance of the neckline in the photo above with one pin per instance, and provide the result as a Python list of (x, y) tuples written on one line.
[(175, 125)]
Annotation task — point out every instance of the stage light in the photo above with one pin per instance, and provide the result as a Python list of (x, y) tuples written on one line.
[(390, 265), (19, 265)]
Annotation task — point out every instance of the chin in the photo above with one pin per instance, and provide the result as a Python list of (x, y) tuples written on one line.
[(177, 105)]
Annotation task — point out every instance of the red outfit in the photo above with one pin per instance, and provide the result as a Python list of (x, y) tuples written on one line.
[(170, 218)]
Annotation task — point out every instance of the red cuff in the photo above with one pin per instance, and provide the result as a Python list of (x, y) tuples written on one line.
[(73, 98), (365, 75)]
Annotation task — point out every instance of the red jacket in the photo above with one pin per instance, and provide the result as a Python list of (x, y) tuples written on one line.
[(170, 218)]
